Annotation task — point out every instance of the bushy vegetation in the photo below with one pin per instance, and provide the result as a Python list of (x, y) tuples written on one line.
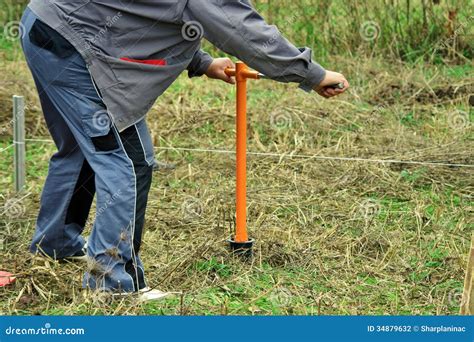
[(431, 30)]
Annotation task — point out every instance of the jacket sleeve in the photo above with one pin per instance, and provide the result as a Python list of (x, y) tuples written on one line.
[(199, 64), (237, 29)]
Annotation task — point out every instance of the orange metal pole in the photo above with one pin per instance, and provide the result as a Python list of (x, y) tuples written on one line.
[(241, 144), (241, 73)]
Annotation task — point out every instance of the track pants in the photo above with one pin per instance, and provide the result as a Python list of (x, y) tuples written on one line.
[(93, 158)]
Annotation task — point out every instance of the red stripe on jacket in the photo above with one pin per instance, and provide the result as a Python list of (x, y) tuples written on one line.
[(145, 61)]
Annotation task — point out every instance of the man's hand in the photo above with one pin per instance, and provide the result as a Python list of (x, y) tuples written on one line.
[(331, 78), (217, 67)]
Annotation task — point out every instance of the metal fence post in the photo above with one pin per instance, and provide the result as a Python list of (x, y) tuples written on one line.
[(19, 142)]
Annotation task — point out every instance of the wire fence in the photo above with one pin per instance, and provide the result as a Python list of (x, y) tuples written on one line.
[(289, 155), (19, 142), (285, 155)]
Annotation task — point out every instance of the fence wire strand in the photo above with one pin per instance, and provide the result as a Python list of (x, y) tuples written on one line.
[(301, 156), (6, 148)]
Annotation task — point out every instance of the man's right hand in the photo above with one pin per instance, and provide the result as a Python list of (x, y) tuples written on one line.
[(332, 78)]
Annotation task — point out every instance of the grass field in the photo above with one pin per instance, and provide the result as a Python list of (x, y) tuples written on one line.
[(333, 237)]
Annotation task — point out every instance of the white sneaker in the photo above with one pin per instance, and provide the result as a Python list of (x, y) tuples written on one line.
[(145, 295)]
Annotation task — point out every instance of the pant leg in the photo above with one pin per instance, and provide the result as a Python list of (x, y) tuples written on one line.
[(137, 143), (68, 191), (122, 164), (69, 188), (115, 240)]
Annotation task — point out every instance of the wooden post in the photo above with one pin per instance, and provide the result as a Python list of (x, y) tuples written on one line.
[(19, 142), (467, 302)]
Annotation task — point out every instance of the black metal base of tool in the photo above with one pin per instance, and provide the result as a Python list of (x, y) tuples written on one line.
[(242, 249)]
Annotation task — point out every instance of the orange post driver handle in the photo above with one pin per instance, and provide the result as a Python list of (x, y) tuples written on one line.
[(230, 72), (244, 73), (241, 73)]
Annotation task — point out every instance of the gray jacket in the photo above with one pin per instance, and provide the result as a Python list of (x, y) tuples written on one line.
[(135, 49)]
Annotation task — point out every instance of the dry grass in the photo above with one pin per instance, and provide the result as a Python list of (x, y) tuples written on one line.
[(332, 237)]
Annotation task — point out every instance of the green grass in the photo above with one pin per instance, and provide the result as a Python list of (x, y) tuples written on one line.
[(332, 237), (289, 290)]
